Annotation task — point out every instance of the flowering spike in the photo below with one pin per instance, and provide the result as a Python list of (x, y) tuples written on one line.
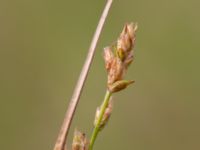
[(106, 115), (117, 65), (79, 142), (108, 57)]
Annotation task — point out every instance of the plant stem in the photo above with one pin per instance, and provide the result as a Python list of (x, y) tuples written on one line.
[(102, 111), (62, 137)]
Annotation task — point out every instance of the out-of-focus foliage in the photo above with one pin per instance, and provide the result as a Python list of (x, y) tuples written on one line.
[(43, 45)]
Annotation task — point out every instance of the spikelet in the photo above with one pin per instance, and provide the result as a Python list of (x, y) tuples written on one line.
[(117, 65)]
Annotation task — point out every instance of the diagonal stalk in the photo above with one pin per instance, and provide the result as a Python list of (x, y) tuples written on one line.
[(62, 137)]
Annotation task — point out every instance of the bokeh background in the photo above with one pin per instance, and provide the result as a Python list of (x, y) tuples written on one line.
[(43, 45)]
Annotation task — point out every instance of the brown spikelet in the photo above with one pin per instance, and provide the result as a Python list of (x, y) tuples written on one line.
[(80, 141), (116, 65)]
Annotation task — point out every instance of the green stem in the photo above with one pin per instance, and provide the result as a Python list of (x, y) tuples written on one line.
[(102, 111)]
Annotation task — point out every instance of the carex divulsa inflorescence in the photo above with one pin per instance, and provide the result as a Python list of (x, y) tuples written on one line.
[(117, 59)]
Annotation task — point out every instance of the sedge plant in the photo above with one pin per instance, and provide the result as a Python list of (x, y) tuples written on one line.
[(118, 58)]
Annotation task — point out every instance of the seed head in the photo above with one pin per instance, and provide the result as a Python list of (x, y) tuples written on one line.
[(126, 40), (106, 115), (117, 65), (108, 57), (79, 142)]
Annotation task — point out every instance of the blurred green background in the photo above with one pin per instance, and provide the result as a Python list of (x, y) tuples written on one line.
[(43, 45)]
